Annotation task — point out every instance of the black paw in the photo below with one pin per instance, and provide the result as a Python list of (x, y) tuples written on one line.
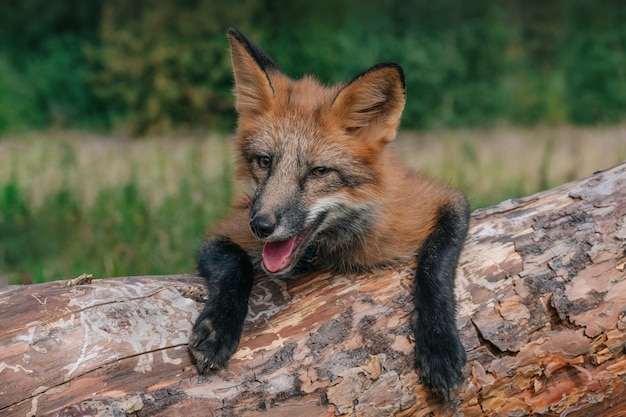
[(229, 276), (441, 357), (211, 345)]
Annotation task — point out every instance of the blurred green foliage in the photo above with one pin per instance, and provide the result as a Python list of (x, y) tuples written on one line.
[(120, 234), (153, 65)]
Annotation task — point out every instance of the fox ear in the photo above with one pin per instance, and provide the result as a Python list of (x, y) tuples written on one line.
[(253, 69), (373, 100)]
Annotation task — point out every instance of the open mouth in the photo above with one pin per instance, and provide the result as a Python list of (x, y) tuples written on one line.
[(279, 256)]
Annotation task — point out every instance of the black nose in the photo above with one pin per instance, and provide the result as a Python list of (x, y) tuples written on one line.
[(262, 225)]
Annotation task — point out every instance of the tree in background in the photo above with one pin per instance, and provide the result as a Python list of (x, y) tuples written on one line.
[(152, 65), (163, 65), (44, 77), (594, 63)]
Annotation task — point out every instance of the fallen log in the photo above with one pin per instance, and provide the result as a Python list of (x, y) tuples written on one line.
[(542, 315)]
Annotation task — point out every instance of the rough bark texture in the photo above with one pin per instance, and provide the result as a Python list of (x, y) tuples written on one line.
[(542, 306)]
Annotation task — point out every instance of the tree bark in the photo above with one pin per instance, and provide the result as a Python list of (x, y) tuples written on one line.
[(541, 311)]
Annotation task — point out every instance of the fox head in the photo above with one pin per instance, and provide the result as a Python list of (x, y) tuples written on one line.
[(311, 154)]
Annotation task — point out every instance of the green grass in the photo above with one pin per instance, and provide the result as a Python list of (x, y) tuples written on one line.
[(490, 166), (73, 203), (107, 207)]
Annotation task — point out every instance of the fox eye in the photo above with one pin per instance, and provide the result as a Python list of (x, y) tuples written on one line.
[(264, 162), (320, 171)]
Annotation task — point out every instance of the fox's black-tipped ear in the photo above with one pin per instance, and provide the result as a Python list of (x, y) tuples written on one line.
[(372, 102), (253, 74)]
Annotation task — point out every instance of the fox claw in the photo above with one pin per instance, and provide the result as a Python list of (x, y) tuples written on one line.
[(209, 348)]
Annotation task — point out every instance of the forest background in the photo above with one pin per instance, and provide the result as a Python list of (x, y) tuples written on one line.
[(115, 116)]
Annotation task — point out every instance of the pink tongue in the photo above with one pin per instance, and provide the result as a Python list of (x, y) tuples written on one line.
[(276, 254)]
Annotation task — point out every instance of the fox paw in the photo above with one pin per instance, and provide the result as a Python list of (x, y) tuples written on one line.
[(210, 346), (441, 359)]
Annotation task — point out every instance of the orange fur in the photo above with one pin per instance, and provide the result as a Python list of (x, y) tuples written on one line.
[(342, 123), (322, 187)]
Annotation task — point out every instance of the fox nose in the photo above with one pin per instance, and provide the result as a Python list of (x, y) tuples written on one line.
[(262, 225)]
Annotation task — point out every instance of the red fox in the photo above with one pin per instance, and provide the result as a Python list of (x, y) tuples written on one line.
[(323, 185)]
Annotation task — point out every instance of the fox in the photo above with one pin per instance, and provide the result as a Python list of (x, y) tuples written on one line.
[(322, 189)]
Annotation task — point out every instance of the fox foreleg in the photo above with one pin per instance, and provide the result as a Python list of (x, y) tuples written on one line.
[(229, 276), (438, 349)]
